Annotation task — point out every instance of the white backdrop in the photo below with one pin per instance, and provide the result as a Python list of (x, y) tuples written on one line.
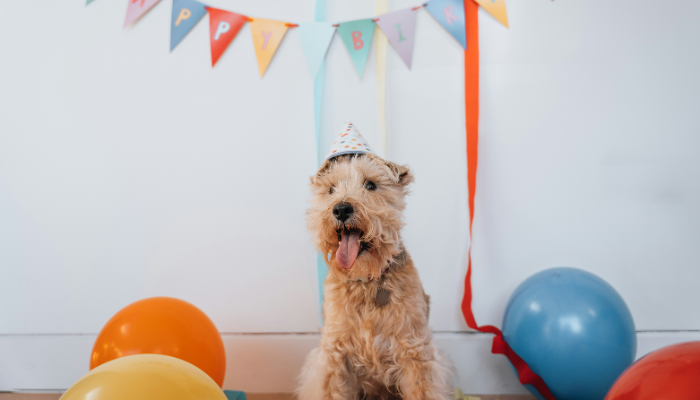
[(127, 171)]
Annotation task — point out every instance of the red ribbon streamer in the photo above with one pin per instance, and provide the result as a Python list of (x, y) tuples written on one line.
[(471, 102)]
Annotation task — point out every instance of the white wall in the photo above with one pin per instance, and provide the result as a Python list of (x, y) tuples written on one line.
[(128, 172)]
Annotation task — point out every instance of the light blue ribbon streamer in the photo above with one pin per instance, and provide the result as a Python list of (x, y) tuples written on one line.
[(322, 269)]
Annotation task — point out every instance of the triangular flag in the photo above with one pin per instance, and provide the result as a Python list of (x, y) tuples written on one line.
[(497, 8), (136, 8), (357, 36), (315, 38), (186, 14), (450, 14), (267, 36), (223, 27), (88, 2), (400, 28)]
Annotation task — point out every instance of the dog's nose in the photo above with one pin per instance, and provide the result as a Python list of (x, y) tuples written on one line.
[(342, 211)]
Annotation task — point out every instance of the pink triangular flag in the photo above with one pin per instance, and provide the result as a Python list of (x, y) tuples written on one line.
[(136, 9), (400, 28)]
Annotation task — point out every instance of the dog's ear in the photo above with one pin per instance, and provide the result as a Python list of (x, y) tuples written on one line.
[(402, 174), (321, 171)]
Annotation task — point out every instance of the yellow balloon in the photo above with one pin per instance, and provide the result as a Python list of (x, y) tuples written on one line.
[(145, 377)]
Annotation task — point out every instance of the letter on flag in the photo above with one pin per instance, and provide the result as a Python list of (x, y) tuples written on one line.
[(186, 14), (497, 8), (136, 8), (315, 38), (267, 36), (400, 28), (357, 36), (223, 27), (450, 14)]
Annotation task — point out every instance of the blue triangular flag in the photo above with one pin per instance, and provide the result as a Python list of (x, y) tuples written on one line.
[(315, 38), (450, 14), (186, 14), (357, 36)]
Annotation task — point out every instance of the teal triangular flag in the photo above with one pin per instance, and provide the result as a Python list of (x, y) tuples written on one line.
[(315, 38), (88, 2), (357, 36), (234, 395), (186, 14)]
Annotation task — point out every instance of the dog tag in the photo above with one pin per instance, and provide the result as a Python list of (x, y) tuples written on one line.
[(383, 297)]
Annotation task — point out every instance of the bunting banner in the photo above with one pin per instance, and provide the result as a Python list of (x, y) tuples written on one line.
[(186, 14), (357, 36), (450, 14), (497, 8), (223, 27), (315, 38), (400, 28), (397, 28), (267, 36), (136, 8)]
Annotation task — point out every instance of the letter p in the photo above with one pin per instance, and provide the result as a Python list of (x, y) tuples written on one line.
[(222, 28), (184, 14)]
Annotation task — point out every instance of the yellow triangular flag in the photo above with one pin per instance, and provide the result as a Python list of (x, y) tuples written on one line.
[(497, 8), (267, 36)]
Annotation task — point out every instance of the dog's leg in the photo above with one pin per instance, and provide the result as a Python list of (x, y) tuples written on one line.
[(312, 375), (326, 376), (426, 379)]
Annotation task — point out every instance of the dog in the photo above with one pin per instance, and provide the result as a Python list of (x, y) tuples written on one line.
[(375, 343)]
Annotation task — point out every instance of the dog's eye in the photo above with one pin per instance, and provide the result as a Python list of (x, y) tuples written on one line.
[(369, 185), (331, 190)]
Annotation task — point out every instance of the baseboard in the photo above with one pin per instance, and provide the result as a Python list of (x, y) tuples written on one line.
[(265, 363)]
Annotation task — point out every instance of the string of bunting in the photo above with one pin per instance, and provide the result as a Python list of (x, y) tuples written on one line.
[(398, 26)]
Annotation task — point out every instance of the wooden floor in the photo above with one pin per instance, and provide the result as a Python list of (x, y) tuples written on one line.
[(250, 396)]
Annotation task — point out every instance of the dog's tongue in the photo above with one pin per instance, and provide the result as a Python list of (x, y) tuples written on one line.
[(349, 247)]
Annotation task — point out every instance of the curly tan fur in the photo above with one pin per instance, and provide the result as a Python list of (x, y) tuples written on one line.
[(368, 351)]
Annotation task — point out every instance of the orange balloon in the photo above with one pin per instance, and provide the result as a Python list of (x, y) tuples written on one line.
[(672, 372), (163, 325)]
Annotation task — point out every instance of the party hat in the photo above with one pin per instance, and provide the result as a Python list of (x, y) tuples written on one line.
[(349, 141)]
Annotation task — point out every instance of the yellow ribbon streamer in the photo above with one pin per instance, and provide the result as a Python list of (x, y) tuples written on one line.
[(381, 44)]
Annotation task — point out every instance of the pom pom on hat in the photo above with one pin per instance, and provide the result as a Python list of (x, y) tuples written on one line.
[(349, 141)]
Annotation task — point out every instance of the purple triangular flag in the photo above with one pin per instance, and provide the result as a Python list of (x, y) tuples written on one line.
[(400, 28), (136, 8)]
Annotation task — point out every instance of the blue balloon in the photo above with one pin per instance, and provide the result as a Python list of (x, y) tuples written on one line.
[(573, 329)]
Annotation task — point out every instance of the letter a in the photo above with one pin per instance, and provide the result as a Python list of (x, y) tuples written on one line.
[(184, 14), (449, 16), (222, 28), (357, 40)]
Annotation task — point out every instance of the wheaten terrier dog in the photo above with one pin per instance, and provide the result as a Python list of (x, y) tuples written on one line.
[(375, 342)]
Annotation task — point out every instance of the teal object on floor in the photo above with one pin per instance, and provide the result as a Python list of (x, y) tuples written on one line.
[(234, 395), (573, 329)]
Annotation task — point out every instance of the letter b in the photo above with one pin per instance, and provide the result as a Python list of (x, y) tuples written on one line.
[(357, 40)]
